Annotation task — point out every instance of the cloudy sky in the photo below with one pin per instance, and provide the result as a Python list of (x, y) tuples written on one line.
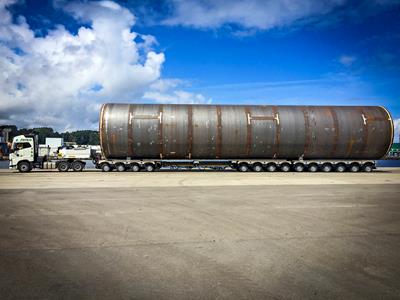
[(59, 60)]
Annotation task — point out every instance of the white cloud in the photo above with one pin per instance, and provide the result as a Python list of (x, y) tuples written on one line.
[(254, 15), (260, 14), (165, 91), (61, 79), (163, 85), (396, 130), (347, 60)]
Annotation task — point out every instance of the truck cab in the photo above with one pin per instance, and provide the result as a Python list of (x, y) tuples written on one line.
[(26, 154), (23, 152)]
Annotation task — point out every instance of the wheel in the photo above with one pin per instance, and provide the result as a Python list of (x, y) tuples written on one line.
[(243, 168), (63, 166), (271, 168), (367, 168), (355, 168), (285, 167), (120, 168), (77, 166), (299, 167), (24, 166), (313, 167), (105, 167), (135, 168), (149, 167), (340, 168), (326, 167), (257, 168)]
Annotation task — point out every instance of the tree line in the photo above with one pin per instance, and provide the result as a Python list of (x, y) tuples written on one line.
[(81, 137)]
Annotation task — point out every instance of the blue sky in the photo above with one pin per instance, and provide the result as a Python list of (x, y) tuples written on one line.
[(330, 52)]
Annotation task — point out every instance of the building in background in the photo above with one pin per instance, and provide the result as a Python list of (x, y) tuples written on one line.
[(4, 144)]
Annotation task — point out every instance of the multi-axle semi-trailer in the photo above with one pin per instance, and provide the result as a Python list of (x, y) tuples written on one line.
[(258, 138)]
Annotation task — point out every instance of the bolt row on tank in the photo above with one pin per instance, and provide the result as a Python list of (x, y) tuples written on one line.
[(242, 137)]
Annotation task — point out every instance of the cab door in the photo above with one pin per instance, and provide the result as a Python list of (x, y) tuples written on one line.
[(24, 151)]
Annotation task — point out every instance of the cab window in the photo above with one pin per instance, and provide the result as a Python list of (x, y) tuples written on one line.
[(20, 146)]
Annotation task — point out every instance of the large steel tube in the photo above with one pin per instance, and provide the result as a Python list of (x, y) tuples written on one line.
[(152, 131)]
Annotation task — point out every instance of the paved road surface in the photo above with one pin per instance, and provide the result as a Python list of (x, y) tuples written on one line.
[(199, 235)]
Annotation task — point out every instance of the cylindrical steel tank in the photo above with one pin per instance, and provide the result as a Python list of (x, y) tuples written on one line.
[(164, 131)]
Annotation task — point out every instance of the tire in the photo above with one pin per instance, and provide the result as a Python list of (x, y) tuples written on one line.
[(312, 167), (105, 167), (149, 167), (135, 167), (243, 168), (340, 168), (285, 167), (257, 168), (120, 168), (367, 168), (326, 168), (354, 168), (24, 167), (271, 167), (77, 166), (63, 166), (299, 167)]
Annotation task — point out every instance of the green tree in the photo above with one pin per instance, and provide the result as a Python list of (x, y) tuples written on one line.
[(81, 137)]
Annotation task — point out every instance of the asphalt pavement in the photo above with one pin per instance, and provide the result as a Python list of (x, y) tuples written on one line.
[(199, 235)]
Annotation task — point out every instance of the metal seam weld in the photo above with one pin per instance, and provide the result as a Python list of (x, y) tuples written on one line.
[(366, 119), (307, 140), (160, 131), (130, 131), (219, 132), (248, 130), (190, 131), (277, 132), (336, 130)]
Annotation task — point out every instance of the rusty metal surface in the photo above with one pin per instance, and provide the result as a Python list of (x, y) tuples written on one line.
[(235, 131)]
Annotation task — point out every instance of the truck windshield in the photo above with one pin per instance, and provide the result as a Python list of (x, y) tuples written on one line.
[(19, 146)]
